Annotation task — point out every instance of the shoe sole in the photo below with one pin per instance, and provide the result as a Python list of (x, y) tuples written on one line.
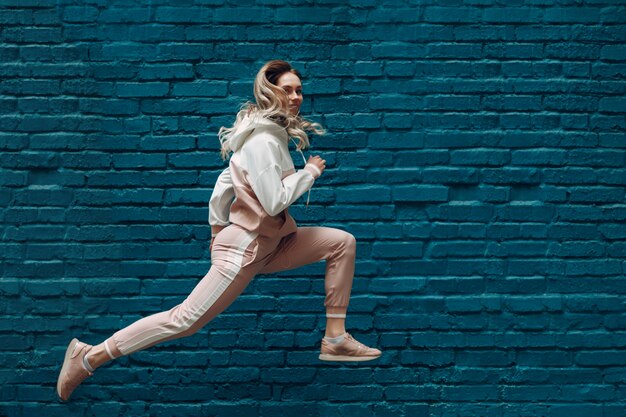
[(68, 354), (343, 358)]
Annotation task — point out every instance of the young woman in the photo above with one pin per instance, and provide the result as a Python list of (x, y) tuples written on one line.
[(253, 235)]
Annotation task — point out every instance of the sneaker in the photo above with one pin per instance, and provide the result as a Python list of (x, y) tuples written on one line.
[(348, 350), (73, 372)]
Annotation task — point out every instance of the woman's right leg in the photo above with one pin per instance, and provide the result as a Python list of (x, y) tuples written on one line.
[(213, 294), (236, 257)]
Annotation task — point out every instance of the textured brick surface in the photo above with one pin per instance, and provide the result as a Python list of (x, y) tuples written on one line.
[(476, 150)]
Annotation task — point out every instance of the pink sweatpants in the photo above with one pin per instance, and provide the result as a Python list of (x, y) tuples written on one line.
[(237, 256)]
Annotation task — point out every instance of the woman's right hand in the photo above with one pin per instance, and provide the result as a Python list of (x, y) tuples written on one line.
[(318, 162)]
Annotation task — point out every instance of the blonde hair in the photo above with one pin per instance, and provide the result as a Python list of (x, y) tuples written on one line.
[(271, 103)]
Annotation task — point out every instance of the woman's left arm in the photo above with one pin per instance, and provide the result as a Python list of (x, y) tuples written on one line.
[(220, 202)]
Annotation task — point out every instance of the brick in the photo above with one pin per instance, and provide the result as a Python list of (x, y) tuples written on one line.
[(511, 15), (572, 15), (155, 89), (387, 140), (303, 15), (454, 51), (613, 52), (16, 16), (75, 14), (183, 15), (135, 161), (578, 410), (612, 104), (394, 50), (165, 71), (451, 14), (125, 15), (397, 250), (352, 393), (572, 51), (200, 89), (363, 194)]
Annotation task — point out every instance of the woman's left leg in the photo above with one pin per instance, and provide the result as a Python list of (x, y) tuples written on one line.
[(311, 244)]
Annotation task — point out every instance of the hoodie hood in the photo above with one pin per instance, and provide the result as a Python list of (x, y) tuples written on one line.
[(247, 125)]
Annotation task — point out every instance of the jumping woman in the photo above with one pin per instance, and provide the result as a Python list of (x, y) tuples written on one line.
[(254, 234)]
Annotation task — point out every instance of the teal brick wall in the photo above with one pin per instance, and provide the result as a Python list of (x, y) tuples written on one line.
[(476, 150)]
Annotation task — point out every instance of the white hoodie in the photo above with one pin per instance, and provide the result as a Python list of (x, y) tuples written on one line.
[(262, 178)]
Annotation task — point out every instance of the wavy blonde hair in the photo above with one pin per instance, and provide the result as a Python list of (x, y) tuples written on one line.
[(271, 103)]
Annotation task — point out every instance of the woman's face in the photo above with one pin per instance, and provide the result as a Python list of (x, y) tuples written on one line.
[(292, 86)]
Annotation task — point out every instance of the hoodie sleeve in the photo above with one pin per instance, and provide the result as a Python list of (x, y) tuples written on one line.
[(265, 173), (221, 199)]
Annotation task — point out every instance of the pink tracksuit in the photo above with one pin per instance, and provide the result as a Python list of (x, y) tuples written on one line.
[(260, 238)]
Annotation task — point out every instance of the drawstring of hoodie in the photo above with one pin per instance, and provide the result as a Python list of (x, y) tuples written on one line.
[(304, 159)]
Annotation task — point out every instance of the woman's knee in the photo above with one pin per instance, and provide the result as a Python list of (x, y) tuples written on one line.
[(350, 242), (189, 330), (345, 241), (183, 321)]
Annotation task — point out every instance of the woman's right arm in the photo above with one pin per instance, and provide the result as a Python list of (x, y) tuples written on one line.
[(265, 171)]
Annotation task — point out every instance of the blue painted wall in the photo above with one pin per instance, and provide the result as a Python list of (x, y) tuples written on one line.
[(476, 149)]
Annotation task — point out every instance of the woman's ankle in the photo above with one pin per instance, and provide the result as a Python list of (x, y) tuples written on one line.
[(334, 331), (335, 327), (97, 356)]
